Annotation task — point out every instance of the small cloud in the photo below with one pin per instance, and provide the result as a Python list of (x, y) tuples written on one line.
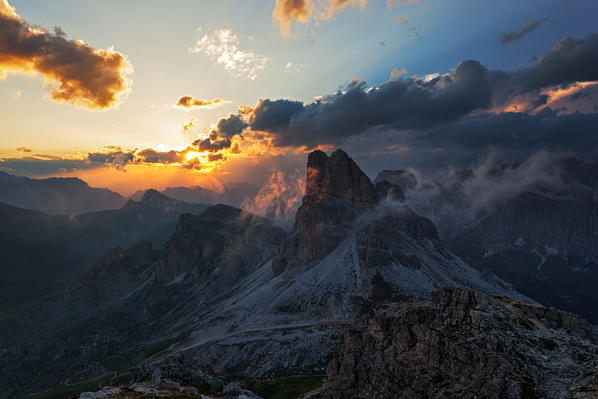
[(223, 48), (396, 73), (188, 102), (382, 43), (188, 124), (23, 149), (508, 37), (16, 95), (401, 19), (295, 67)]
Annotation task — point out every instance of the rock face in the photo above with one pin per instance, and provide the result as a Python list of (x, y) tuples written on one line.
[(223, 243), (336, 192), (464, 343)]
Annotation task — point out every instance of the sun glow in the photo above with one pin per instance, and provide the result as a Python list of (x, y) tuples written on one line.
[(202, 156)]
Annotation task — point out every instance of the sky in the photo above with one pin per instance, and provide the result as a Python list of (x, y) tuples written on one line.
[(131, 95)]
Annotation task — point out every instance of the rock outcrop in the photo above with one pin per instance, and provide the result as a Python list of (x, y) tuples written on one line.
[(464, 343), (223, 243)]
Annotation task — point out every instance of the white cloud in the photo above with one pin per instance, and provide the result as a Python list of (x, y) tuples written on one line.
[(295, 67), (222, 47)]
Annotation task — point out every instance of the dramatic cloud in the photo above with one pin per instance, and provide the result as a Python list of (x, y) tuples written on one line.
[(188, 102), (570, 60), (508, 37), (404, 104), (75, 72), (427, 105), (212, 145), (231, 126), (222, 47)]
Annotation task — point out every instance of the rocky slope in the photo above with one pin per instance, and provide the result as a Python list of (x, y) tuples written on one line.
[(535, 225), (131, 304), (463, 343)]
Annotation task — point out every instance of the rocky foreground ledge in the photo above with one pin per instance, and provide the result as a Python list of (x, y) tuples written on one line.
[(460, 344), (465, 344)]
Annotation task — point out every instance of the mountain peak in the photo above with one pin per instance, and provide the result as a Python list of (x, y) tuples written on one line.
[(156, 199), (338, 176)]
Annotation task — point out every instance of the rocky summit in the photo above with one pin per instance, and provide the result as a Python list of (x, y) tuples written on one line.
[(465, 344)]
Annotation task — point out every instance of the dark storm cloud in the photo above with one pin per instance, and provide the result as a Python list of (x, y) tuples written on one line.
[(511, 131), (570, 60), (510, 137), (409, 103), (150, 155), (508, 37), (212, 145), (231, 126), (414, 105), (116, 158), (79, 73)]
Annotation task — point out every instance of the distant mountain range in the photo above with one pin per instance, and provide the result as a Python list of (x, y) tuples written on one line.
[(56, 195), (233, 194), (42, 252)]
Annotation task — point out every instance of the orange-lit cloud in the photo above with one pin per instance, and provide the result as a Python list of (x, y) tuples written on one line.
[(397, 73), (23, 149), (75, 72), (188, 102), (401, 19), (288, 11), (566, 99)]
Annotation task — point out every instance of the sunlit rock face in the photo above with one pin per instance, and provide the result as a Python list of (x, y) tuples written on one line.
[(463, 343)]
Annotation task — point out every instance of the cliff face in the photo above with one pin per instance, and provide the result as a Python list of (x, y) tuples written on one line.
[(337, 191), (340, 198), (464, 343)]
